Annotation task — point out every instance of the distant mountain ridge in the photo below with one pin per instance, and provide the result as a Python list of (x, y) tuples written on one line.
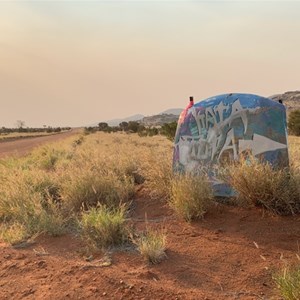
[(291, 100), (166, 116), (116, 122), (159, 120), (172, 111)]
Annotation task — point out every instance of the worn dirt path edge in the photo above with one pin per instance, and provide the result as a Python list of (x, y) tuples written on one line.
[(23, 146)]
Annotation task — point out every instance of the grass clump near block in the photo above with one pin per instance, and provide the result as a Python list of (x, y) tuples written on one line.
[(102, 226), (259, 184), (152, 245), (288, 283), (190, 196)]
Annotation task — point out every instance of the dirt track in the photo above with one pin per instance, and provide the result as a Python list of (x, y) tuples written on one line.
[(23, 146)]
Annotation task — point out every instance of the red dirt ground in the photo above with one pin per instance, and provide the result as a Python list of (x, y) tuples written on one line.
[(231, 254)]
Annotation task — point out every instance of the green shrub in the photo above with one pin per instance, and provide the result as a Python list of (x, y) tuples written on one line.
[(169, 130)]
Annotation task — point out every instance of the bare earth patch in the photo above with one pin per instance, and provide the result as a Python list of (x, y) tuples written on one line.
[(231, 254)]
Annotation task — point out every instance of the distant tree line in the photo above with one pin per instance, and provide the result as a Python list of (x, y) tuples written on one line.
[(49, 129), (168, 129)]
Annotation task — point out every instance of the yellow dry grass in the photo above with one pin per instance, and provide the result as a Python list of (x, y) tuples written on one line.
[(46, 190)]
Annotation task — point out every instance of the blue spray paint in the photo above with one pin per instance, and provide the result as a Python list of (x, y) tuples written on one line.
[(221, 128)]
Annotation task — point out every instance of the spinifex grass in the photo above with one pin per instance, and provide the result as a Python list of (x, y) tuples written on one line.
[(43, 191), (288, 282), (152, 244), (258, 183), (102, 227), (190, 196)]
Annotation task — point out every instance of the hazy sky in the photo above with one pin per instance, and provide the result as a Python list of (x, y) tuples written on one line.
[(79, 62)]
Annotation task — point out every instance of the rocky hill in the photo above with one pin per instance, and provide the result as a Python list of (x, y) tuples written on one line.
[(167, 116), (116, 122), (159, 120), (291, 100)]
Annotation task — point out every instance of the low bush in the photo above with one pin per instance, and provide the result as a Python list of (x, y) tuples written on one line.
[(190, 196)]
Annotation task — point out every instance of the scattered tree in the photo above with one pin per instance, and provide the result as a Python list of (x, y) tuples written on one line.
[(20, 124), (103, 126), (123, 126), (169, 130)]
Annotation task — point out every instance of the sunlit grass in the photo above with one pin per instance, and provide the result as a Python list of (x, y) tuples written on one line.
[(191, 196), (288, 282), (103, 227), (47, 189), (152, 244)]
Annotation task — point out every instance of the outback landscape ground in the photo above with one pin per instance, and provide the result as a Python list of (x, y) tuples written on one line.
[(232, 253)]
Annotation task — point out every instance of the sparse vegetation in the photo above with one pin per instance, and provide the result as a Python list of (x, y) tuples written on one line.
[(46, 190), (288, 282), (85, 185)]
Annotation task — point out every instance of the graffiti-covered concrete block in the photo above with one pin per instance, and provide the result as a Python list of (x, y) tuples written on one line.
[(220, 128)]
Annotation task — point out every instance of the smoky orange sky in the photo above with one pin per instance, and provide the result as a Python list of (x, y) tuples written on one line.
[(77, 63)]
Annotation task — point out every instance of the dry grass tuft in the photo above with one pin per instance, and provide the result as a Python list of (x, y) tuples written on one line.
[(152, 245), (190, 196), (258, 184), (288, 282), (102, 227), (14, 233)]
